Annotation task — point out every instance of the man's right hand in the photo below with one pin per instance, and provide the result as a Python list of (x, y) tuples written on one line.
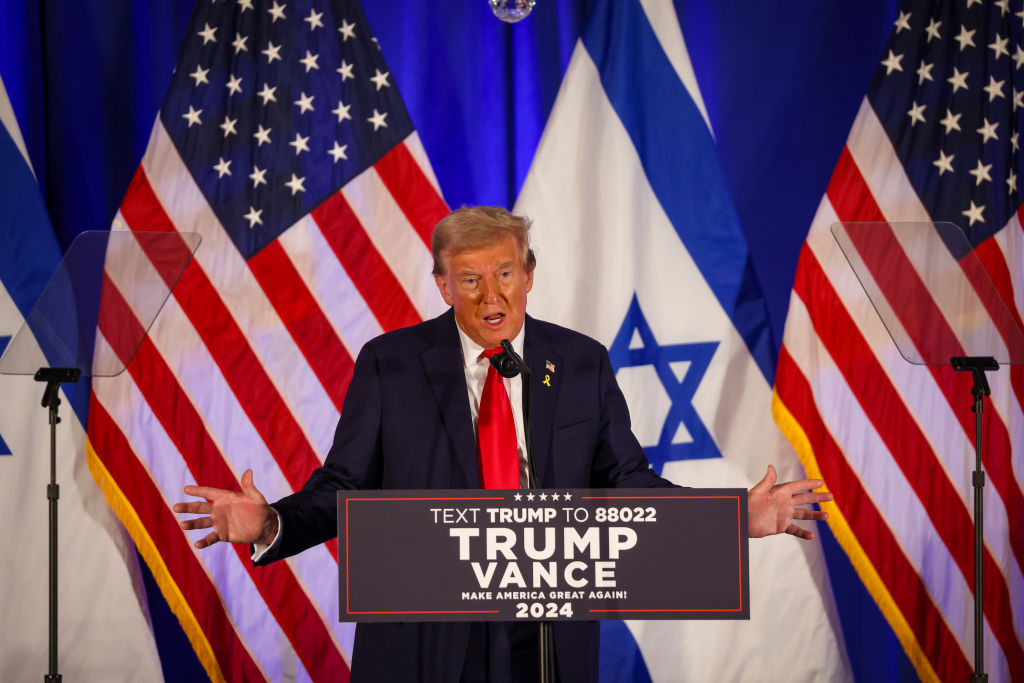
[(236, 517)]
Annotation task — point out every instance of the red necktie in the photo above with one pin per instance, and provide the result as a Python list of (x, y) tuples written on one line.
[(497, 450)]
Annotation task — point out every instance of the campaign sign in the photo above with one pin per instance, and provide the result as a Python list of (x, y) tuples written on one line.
[(543, 554)]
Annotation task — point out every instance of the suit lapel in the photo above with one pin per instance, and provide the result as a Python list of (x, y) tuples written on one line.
[(444, 366), (544, 390)]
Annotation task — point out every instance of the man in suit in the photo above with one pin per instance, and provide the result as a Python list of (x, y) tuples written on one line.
[(422, 412)]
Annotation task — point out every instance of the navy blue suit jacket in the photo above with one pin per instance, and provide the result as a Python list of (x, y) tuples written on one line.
[(406, 424)]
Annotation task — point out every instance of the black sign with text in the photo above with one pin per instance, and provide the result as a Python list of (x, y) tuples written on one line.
[(551, 554)]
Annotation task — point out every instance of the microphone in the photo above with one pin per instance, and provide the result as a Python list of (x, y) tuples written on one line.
[(508, 363)]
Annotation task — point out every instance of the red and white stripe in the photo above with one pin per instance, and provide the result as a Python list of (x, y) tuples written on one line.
[(247, 367), (894, 441)]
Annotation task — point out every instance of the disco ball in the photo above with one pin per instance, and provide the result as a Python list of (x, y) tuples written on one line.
[(511, 11)]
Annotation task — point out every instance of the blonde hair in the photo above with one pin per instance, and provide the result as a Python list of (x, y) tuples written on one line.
[(476, 227)]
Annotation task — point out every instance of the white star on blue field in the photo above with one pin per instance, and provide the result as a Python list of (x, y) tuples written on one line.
[(680, 390)]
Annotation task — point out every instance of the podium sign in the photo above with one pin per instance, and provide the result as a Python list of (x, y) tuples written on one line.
[(543, 554)]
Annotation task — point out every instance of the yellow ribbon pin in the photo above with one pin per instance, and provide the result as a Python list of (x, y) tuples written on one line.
[(547, 380)]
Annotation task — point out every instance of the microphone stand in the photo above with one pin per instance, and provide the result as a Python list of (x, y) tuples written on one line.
[(509, 364)]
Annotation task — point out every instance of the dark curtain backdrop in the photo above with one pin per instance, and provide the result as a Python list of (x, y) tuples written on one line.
[(782, 82)]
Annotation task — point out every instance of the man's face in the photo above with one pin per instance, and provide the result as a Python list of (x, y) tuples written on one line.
[(487, 287)]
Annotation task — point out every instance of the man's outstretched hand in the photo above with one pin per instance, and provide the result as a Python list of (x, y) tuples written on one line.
[(771, 507), (235, 517)]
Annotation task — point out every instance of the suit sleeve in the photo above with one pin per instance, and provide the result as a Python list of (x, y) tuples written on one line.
[(619, 460), (309, 516)]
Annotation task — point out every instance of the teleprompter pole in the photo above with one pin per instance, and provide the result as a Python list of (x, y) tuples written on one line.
[(978, 366), (51, 399)]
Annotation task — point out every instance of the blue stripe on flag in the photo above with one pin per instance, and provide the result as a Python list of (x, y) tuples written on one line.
[(681, 163), (30, 251), (4, 448)]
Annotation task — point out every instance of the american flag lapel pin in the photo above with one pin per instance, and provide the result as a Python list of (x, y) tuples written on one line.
[(549, 366)]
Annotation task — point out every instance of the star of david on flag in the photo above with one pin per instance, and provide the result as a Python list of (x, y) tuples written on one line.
[(678, 369)]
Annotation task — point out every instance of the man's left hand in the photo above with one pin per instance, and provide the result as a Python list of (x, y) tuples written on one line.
[(771, 507)]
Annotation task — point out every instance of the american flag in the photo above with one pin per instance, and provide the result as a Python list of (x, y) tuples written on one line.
[(284, 143), (936, 139)]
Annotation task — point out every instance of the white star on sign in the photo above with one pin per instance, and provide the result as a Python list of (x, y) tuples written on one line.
[(341, 111), (529, 496), (299, 143), (295, 184), (981, 173), (208, 34), (567, 495), (239, 43), (554, 496), (304, 103), (543, 496), (974, 213), (951, 122), (228, 126), (965, 38), (892, 63), (933, 30), (902, 22), (924, 72), (518, 496), (347, 30), (381, 79), (272, 52), (234, 85), (222, 167), (916, 114), (310, 61), (258, 176), (944, 163), (314, 20), (338, 152), (199, 75), (267, 93), (262, 135), (378, 120), (999, 46), (254, 217), (192, 116), (988, 131), (958, 80), (345, 70), (994, 88), (277, 11)]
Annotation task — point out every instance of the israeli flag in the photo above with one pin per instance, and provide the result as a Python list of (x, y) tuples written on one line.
[(639, 246)]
